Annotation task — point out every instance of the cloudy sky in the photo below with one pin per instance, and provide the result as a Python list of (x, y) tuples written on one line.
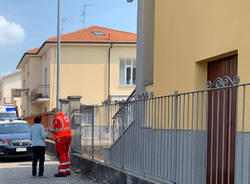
[(26, 24)]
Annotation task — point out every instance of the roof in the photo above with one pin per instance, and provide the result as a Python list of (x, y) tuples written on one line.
[(33, 51), (11, 74), (87, 36)]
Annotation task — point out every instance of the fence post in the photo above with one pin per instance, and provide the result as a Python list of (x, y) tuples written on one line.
[(123, 118), (74, 103), (64, 104), (93, 132), (175, 132)]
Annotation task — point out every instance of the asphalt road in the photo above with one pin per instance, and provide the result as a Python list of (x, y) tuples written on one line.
[(18, 171)]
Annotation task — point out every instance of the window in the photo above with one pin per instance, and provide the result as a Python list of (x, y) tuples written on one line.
[(127, 72), (11, 128), (98, 33)]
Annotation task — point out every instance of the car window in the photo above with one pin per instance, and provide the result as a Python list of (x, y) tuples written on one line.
[(9, 128), (7, 115)]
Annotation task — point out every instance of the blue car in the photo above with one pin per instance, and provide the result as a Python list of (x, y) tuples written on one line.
[(15, 139)]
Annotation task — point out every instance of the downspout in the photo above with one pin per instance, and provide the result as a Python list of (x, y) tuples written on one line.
[(109, 58)]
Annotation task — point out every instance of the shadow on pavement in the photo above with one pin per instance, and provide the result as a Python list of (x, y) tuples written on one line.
[(22, 159)]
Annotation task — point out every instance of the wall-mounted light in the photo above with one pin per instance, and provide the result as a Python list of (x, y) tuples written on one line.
[(130, 1)]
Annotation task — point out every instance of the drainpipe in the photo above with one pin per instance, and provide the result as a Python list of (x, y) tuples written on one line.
[(109, 58)]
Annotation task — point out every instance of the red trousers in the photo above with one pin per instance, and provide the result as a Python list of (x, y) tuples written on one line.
[(62, 149)]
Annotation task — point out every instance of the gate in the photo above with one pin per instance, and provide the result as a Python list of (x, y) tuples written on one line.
[(221, 130)]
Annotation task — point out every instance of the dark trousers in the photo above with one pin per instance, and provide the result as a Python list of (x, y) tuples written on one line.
[(38, 154)]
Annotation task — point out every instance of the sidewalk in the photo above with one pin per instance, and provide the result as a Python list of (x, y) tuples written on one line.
[(19, 172)]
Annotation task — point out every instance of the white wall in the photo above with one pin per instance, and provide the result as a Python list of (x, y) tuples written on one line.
[(9, 82)]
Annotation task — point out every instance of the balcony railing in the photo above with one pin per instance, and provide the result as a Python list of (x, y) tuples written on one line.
[(40, 92)]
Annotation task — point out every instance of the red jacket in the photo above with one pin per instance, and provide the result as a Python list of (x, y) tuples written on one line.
[(62, 122)]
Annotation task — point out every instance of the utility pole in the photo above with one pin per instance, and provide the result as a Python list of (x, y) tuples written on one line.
[(58, 57), (84, 13)]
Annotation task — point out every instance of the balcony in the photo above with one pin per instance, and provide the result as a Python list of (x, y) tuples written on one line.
[(40, 94)]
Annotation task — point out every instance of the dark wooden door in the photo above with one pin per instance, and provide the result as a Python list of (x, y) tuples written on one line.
[(221, 123)]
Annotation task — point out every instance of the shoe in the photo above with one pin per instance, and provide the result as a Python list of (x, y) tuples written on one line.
[(68, 174), (60, 175)]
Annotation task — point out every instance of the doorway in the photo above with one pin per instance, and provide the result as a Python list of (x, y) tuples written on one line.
[(221, 123)]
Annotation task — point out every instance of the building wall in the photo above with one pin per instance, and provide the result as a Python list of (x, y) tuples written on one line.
[(84, 71), (24, 84), (31, 74), (191, 33), (117, 53), (145, 45), (35, 79), (35, 72), (1, 94), (9, 82), (45, 64)]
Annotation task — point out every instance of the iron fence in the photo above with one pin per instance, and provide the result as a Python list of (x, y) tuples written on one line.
[(93, 129), (188, 138)]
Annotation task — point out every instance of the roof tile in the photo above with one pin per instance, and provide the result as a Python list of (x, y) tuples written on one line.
[(33, 51), (86, 35)]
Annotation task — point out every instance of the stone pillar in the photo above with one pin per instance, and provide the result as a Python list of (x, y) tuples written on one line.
[(64, 104), (74, 103)]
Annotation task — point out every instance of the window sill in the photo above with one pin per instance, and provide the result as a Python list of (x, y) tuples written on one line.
[(126, 85)]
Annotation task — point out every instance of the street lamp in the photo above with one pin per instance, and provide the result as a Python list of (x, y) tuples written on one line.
[(58, 57)]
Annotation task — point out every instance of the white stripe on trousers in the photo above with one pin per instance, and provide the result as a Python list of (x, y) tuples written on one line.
[(64, 163)]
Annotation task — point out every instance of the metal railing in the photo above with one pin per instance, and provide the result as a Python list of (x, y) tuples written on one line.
[(42, 91), (196, 137), (93, 126)]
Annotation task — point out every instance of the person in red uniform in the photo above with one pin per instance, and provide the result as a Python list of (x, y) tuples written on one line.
[(62, 136)]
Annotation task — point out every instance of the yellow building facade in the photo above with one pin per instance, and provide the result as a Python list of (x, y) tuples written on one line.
[(188, 35), (96, 67)]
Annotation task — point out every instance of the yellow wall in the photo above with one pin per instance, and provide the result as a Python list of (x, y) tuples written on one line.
[(37, 108), (24, 76), (84, 71), (31, 70), (9, 82), (117, 53), (188, 33)]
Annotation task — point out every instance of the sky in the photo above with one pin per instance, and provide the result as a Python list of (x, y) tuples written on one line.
[(26, 24)]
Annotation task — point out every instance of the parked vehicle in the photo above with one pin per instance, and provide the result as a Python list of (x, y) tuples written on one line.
[(14, 138)]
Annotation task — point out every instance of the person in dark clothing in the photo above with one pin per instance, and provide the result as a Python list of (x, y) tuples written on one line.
[(38, 135)]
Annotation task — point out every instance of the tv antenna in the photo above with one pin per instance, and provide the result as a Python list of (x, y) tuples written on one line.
[(64, 19), (84, 13)]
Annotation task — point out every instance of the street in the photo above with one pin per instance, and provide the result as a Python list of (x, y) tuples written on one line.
[(18, 171)]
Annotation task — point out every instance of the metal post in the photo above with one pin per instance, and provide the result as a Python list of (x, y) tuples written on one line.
[(92, 134), (113, 132), (175, 132), (58, 57)]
